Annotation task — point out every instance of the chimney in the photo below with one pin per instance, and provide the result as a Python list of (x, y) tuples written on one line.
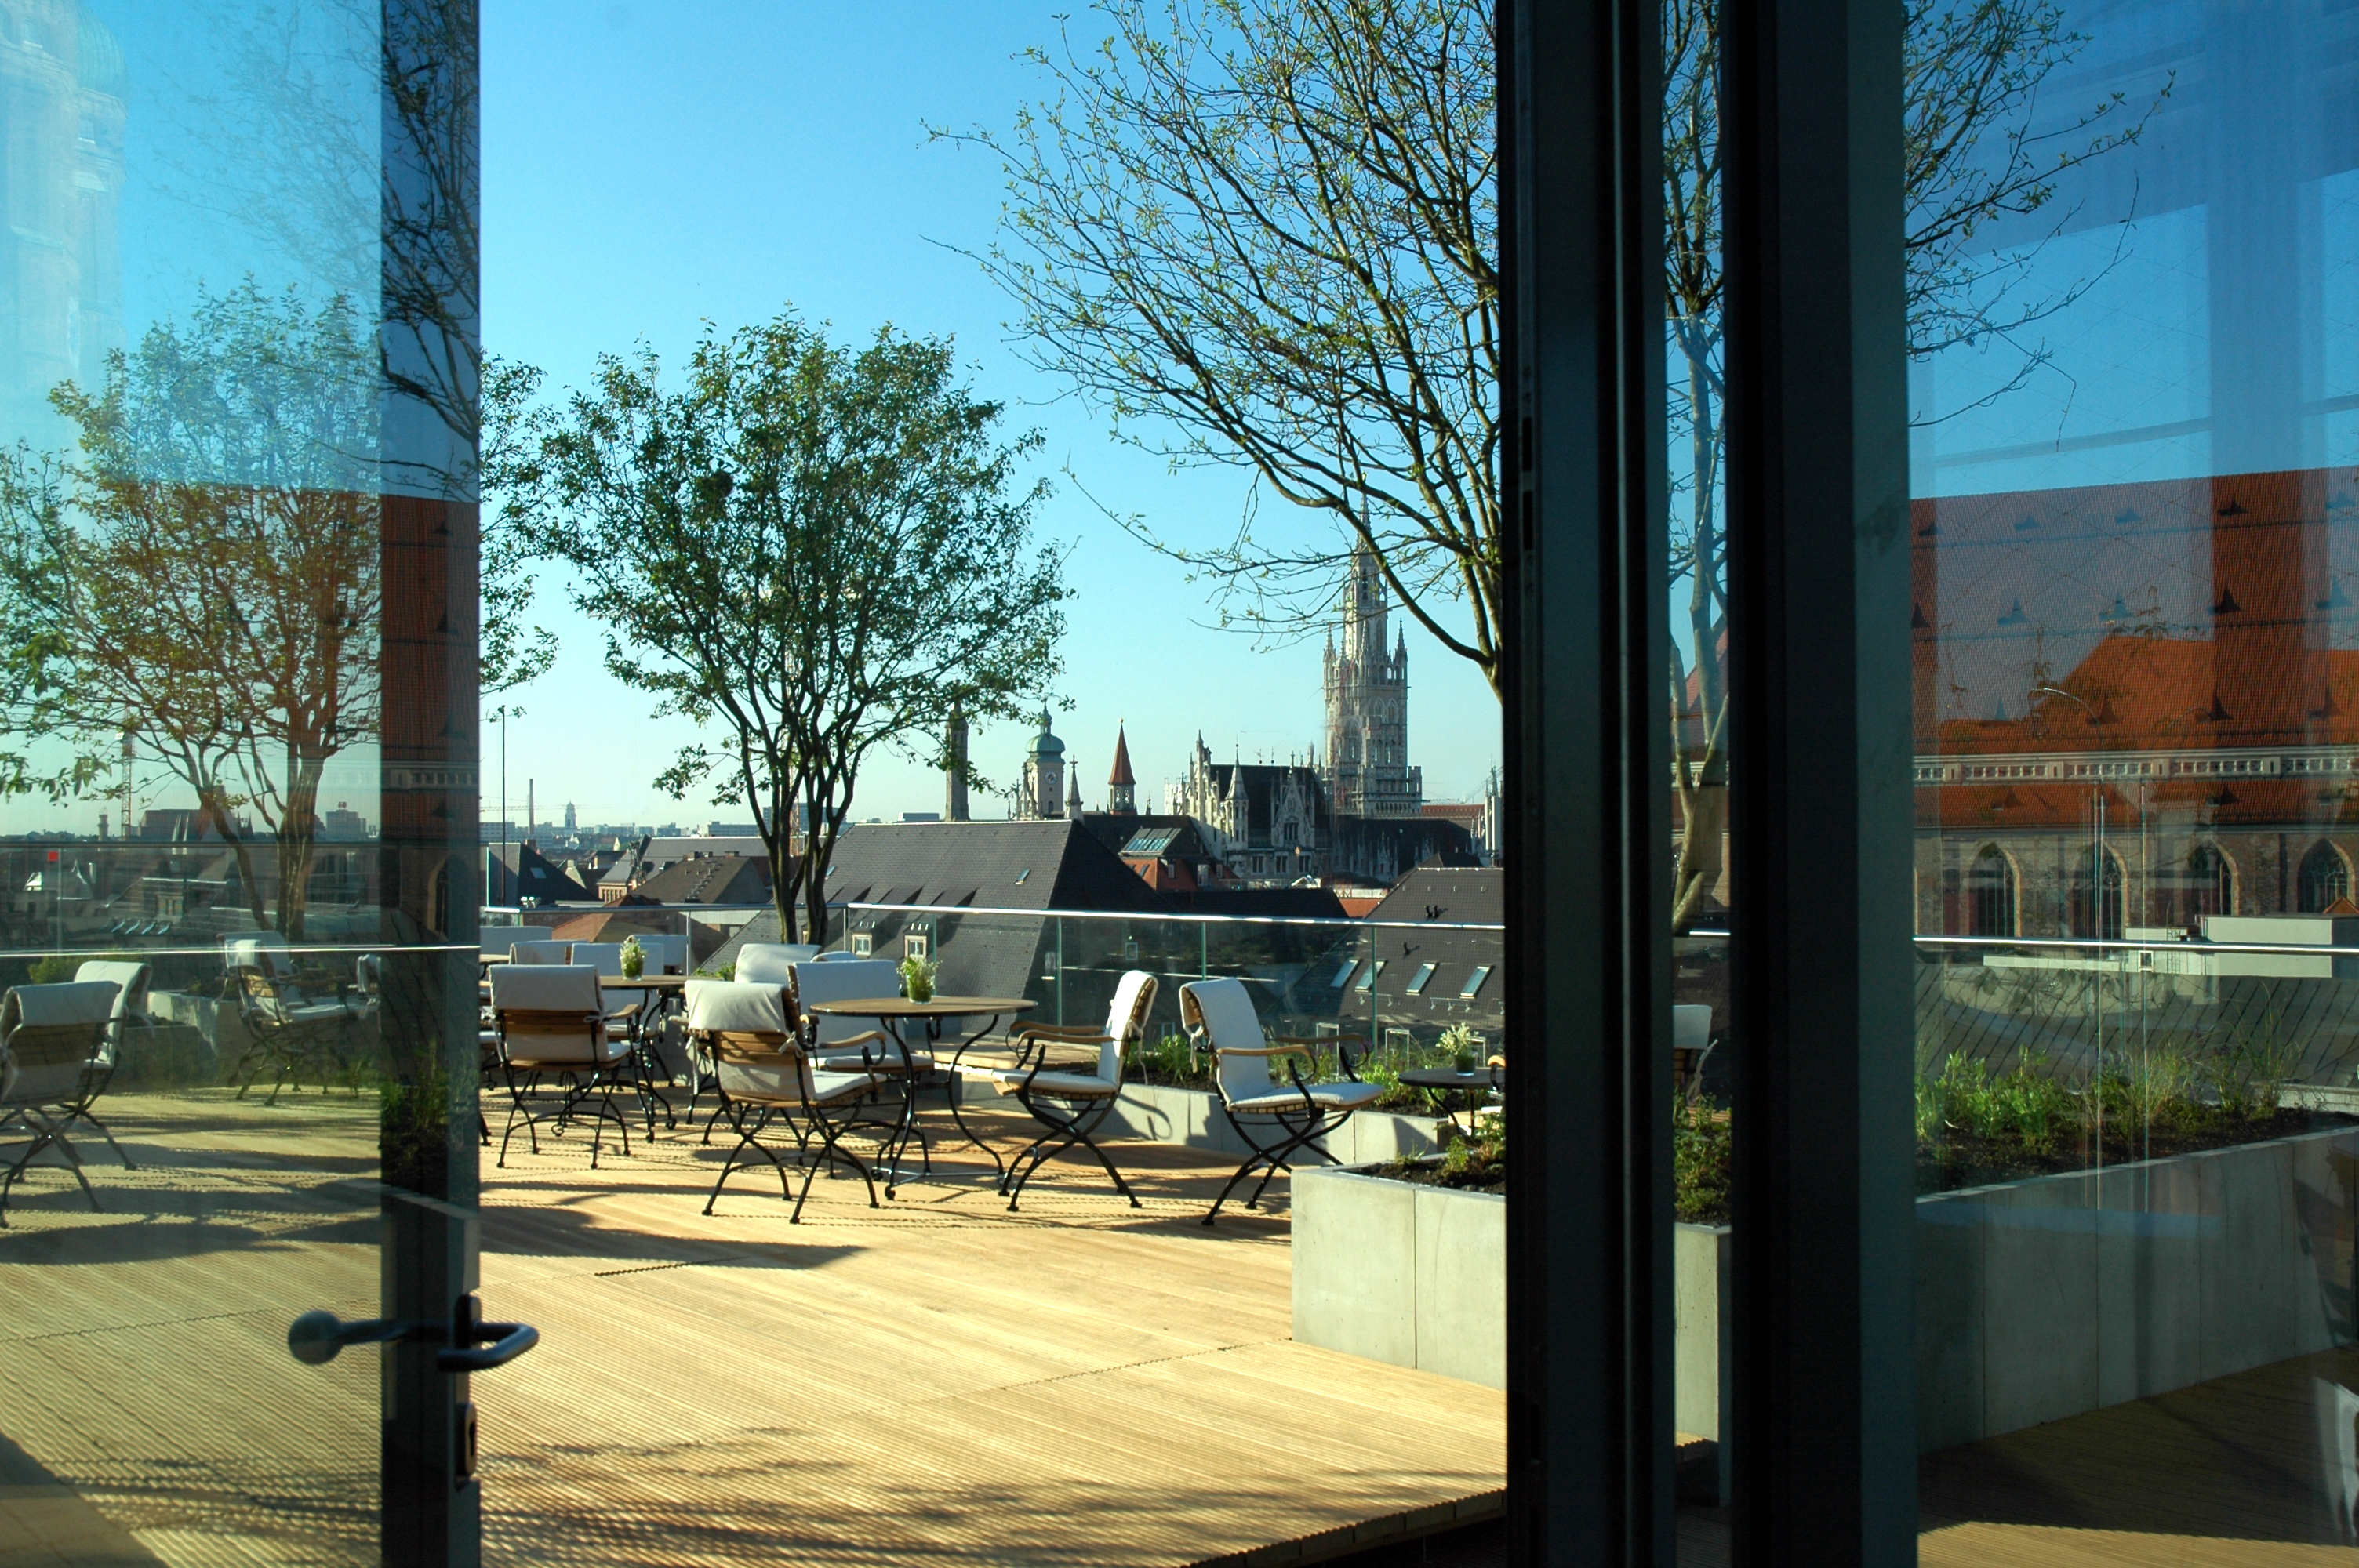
[(954, 766)]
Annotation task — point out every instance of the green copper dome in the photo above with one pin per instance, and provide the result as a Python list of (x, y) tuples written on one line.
[(98, 57)]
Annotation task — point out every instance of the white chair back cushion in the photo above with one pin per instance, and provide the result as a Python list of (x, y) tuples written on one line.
[(1125, 1018), (540, 952), (606, 956), (84, 1005), (131, 997), (1690, 1026), (263, 950), (771, 963), (730, 1007), (665, 954), (130, 981), (1227, 1010), (738, 1009), (553, 988), (857, 978)]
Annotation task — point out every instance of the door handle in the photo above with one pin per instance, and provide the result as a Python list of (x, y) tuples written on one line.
[(472, 1346), (478, 1347)]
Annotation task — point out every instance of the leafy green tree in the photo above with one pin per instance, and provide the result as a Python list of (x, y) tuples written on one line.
[(197, 592), (811, 550)]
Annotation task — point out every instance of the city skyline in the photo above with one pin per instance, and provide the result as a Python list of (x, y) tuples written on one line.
[(681, 237)]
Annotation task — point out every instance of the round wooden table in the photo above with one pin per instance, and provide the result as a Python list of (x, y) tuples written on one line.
[(897, 1016)]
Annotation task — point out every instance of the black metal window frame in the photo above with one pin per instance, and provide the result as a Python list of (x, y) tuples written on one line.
[(1821, 1416)]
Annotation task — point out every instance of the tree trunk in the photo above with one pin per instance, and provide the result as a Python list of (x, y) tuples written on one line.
[(297, 835), (211, 802)]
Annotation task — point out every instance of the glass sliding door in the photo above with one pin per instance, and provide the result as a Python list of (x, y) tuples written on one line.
[(236, 781), (2135, 514)]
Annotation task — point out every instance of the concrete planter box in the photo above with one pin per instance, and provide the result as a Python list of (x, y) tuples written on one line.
[(2036, 1300), (1192, 1116), (1402, 1272), (2050, 1298), (216, 1023)]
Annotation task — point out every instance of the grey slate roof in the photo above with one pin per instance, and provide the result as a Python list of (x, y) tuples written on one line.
[(523, 872), (1016, 866), (1439, 895)]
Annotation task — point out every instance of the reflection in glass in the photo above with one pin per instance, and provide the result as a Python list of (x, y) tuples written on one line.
[(199, 539), (2132, 522)]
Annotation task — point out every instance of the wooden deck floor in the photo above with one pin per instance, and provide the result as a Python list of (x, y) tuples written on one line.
[(935, 1380)]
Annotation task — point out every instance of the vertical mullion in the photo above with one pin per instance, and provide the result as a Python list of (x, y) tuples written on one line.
[(1586, 795), (1824, 1403)]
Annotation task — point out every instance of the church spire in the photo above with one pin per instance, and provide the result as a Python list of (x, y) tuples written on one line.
[(1122, 788)]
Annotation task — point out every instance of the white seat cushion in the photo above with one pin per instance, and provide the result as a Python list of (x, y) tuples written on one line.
[(828, 1088), (884, 1056), (1057, 1086), (1289, 1100), (1327, 1097)]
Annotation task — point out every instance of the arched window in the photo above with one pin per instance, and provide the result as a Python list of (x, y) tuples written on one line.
[(2206, 886), (2097, 896), (2325, 878), (1990, 894)]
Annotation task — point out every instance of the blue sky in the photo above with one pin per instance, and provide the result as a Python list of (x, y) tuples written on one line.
[(648, 167)]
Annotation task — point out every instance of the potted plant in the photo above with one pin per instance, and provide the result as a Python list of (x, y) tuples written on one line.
[(634, 958), (1465, 1047), (917, 978)]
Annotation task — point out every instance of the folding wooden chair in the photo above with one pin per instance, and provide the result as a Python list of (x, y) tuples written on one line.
[(768, 1078), (51, 1040), (1070, 1105), (1276, 1122)]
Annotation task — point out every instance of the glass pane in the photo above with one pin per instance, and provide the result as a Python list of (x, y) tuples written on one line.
[(1198, 1383), (1698, 693), (235, 940), (2134, 337)]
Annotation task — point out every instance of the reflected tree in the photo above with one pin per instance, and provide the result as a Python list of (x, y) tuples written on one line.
[(1978, 151), (197, 590)]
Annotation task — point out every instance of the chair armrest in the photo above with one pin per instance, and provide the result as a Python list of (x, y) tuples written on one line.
[(864, 1039), (1257, 1049), (1066, 1032)]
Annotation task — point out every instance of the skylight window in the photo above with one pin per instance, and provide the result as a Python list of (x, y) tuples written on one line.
[(1474, 981), (1022, 874), (1417, 982), (1370, 978), (1343, 976)]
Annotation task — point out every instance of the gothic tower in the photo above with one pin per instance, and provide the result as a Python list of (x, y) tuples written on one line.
[(1367, 769), (1122, 789)]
